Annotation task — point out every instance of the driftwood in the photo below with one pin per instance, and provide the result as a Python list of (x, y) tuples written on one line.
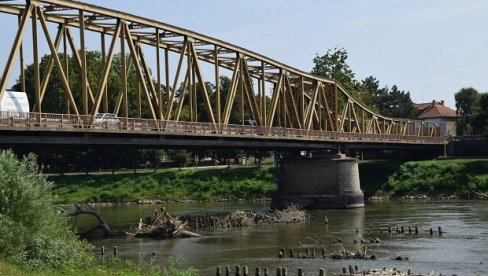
[(481, 194), (102, 224), (240, 218), (162, 226)]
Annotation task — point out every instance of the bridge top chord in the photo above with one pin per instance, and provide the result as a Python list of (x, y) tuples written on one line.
[(298, 100)]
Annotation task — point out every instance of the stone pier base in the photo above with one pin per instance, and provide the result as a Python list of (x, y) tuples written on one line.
[(319, 183)]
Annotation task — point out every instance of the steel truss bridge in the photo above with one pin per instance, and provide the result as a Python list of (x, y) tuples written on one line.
[(301, 110)]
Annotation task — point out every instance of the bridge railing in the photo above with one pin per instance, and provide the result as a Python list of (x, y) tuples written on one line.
[(68, 121)]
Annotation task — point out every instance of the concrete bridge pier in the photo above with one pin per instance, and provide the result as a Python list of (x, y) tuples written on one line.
[(322, 182)]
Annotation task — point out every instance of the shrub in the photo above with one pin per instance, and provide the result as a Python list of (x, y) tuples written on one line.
[(32, 232)]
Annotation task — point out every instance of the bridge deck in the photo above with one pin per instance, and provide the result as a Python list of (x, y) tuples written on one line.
[(28, 128)]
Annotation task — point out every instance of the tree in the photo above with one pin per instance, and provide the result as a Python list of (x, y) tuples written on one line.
[(466, 102), (333, 65), (180, 158), (480, 117), (55, 100), (391, 102), (32, 231)]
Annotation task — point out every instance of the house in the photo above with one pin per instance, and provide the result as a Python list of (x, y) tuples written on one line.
[(440, 114)]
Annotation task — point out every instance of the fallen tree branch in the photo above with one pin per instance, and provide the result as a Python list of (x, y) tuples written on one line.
[(481, 194), (102, 224)]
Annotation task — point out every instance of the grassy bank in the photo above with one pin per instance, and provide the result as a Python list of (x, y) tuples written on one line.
[(378, 178), (110, 266), (459, 177), (167, 184)]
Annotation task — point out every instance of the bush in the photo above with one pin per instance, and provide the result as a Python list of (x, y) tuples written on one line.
[(446, 177), (32, 232)]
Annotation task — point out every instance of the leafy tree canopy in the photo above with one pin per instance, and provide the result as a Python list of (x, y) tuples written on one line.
[(467, 100), (392, 102)]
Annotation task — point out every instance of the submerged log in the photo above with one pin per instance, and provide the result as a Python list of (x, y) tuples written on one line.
[(161, 226), (102, 224)]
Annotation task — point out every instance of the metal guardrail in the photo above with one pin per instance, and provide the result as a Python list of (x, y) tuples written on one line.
[(66, 121)]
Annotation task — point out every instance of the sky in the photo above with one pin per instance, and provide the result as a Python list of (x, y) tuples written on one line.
[(430, 48)]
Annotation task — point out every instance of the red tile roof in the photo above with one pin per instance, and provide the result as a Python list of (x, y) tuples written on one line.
[(437, 111)]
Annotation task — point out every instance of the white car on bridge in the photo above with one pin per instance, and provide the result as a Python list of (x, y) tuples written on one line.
[(107, 120)]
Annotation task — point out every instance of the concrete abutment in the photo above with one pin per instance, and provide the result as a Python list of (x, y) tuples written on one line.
[(325, 182)]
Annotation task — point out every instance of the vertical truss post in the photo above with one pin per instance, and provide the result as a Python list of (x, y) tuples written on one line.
[(138, 100), (302, 101), (15, 48), (190, 71), (336, 108), (84, 78), (159, 91), (37, 84), (320, 108), (166, 75), (283, 98), (241, 94), (104, 61), (21, 63), (194, 89), (123, 76), (217, 84), (263, 99), (66, 66)]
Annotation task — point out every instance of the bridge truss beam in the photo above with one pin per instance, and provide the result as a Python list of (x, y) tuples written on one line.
[(297, 99)]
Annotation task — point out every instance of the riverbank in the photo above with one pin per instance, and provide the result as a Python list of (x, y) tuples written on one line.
[(205, 184), (449, 178), (443, 178)]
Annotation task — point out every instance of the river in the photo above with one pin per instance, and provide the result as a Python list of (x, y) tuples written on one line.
[(462, 248)]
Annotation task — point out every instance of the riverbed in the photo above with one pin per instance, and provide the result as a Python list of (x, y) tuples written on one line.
[(462, 248)]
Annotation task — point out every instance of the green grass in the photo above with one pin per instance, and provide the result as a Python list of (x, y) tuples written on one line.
[(111, 266), (458, 177), (378, 177), (168, 184)]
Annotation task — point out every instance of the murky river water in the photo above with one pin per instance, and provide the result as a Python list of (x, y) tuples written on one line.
[(462, 249)]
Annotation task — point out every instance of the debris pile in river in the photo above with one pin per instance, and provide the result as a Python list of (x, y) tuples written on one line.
[(161, 226), (322, 252), (240, 218)]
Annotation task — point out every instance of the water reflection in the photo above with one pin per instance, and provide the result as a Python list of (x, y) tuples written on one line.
[(462, 249)]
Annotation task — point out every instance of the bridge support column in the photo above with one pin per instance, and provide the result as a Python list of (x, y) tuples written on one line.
[(319, 183)]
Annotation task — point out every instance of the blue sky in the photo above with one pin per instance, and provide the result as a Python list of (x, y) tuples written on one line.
[(430, 48)]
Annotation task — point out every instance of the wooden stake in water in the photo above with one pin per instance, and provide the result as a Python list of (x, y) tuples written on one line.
[(115, 250)]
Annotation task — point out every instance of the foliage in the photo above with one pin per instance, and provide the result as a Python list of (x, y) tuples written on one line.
[(333, 65), (391, 102), (32, 232), (110, 266), (169, 184), (181, 158), (480, 118), (439, 177), (374, 174), (466, 103), (55, 99)]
